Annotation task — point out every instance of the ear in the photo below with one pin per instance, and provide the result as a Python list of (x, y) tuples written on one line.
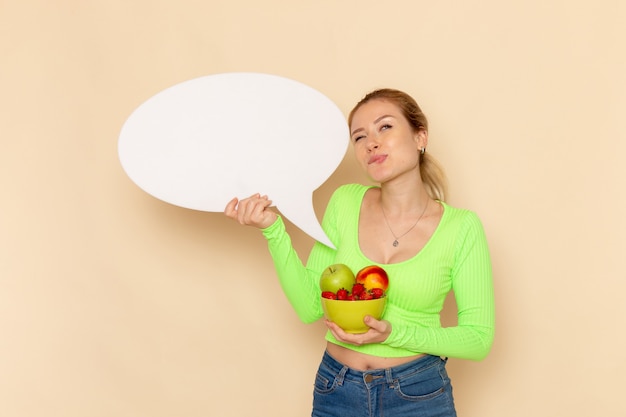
[(421, 138)]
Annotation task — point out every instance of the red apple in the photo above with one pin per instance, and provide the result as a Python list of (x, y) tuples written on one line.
[(373, 276)]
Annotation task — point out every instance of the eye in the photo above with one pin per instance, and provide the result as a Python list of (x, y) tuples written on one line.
[(385, 126), (356, 138)]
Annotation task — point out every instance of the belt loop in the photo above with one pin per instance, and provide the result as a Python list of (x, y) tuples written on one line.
[(341, 375), (389, 376)]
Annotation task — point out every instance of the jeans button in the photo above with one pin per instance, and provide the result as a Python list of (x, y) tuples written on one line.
[(368, 378)]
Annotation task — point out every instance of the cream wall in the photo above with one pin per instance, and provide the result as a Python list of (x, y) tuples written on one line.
[(113, 303)]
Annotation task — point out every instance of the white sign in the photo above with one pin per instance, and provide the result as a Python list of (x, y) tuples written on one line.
[(202, 142)]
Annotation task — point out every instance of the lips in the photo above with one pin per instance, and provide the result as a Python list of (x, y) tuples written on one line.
[(376, 159)]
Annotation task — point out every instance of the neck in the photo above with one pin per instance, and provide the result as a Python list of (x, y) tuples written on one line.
[(400, 199)]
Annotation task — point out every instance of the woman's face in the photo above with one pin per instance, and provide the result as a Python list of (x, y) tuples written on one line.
[(385, 144)]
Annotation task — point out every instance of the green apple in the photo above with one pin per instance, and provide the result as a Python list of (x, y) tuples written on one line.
[(336, 277)]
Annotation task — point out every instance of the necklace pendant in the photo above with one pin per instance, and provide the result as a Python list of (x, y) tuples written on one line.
[(395, 243)]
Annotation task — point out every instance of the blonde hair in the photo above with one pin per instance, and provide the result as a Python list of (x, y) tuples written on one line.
[(432, 173)]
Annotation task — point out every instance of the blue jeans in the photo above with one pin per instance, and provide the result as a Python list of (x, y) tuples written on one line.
[(417, 388)]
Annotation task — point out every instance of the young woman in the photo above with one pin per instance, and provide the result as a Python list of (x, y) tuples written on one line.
[(428, 248)]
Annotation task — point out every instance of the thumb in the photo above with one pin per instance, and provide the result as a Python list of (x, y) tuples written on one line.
[(372, 322), (378, 325), (230, 209)]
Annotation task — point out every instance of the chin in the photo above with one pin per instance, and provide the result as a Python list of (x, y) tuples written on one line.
[(378, 175), (380, 179)]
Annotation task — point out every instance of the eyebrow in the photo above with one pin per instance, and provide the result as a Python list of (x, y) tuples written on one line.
[(375, 121)]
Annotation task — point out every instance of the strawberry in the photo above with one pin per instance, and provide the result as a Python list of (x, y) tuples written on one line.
[(366, 295), (358, 289), (329, 294), (342, 294), (377, 292)]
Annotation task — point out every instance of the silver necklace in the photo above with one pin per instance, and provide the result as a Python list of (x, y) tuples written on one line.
[(395, 242)]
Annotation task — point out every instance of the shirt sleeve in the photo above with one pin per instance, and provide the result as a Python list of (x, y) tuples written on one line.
[(300, 282), (472, 284)]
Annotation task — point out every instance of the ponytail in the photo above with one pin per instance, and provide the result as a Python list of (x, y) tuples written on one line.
[(434, 177)]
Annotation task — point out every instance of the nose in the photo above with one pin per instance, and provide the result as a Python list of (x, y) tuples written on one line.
[(372, 144)]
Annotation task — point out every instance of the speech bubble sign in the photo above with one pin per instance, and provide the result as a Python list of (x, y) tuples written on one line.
[(204, 141)]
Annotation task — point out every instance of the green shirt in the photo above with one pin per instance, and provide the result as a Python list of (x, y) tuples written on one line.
[(455, 258)]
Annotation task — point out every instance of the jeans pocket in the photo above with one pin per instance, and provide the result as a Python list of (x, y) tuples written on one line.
[(424, 385), (325, 381)]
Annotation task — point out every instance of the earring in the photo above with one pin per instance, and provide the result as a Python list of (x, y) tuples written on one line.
[(423, 151)]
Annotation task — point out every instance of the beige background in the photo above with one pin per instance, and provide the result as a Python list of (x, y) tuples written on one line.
[(113, 303)]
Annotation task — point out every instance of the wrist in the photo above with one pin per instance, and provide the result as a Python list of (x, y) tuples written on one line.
[(274, 227)]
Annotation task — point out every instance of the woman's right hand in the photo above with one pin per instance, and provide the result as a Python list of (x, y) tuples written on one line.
[(252, 211)]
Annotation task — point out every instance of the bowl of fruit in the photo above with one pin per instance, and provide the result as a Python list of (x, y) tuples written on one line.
[(347, 298)]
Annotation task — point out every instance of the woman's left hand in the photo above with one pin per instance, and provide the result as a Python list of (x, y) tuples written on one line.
[(379, 332)]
